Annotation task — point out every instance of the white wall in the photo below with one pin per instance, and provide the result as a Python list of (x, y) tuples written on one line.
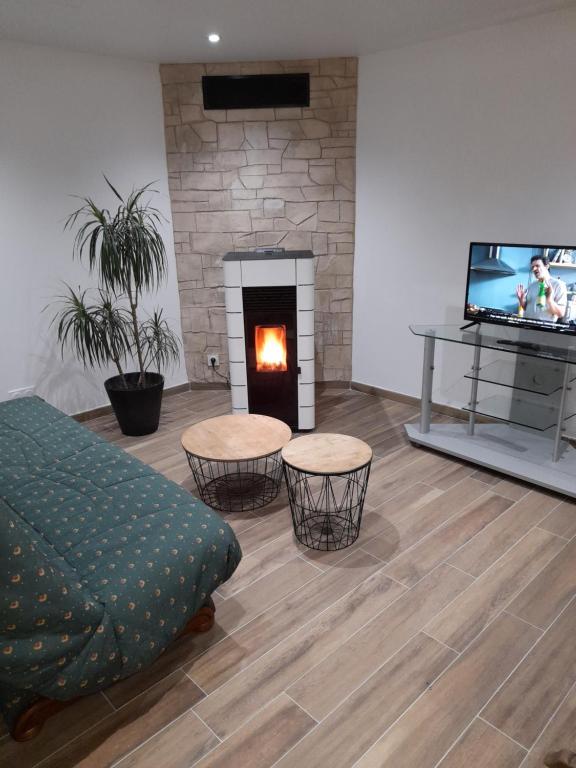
[(468, 138), (66, 118)]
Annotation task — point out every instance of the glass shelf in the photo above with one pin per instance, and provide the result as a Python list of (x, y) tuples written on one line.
[(524, 413), (540, 377), (541, 344)]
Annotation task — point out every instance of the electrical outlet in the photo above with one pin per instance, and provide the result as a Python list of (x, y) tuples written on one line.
[(20, 392), (213, 360)]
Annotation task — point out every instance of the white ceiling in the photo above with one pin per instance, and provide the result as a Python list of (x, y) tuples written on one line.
[(175, 30)]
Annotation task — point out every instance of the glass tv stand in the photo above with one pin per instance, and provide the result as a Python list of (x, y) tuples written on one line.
[(525, 434)]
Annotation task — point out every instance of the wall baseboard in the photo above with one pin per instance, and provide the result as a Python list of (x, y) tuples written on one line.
[(445, 410), (106, 410)]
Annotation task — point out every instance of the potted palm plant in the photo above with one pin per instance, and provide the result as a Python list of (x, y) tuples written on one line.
[(126, 252)]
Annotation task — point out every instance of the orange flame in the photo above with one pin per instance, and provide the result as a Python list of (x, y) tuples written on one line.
[(271, 348)]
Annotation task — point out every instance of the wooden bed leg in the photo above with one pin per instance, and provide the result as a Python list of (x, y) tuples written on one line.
[(29, 722), (562, 759), (202, 621)]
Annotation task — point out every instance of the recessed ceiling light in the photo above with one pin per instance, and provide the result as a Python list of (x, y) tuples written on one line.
[(214, 38)]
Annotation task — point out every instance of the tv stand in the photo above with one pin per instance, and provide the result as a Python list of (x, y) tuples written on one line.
[(520, 344), (525, 435)]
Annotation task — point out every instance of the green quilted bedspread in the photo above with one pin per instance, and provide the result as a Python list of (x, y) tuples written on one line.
[(102, 559)]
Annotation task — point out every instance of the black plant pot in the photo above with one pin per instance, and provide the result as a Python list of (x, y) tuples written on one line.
[(136, 408)]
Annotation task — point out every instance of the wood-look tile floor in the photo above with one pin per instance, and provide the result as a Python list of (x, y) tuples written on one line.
[(444, 637)]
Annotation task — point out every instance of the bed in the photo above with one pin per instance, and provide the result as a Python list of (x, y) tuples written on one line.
[(103, 562)]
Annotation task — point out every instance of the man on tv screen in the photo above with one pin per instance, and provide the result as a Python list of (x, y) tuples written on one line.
[(545, 298)]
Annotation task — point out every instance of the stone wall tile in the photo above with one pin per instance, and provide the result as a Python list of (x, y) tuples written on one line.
[(257, 156), (344, 97), (181, 73), (285, 129), (264, 225), (242, 242), (226, 160), (347, 212), (343, 193), (319, 243), (194, 342), (230, 135), (345, 172), (214, 277), (256, 115), (332, 115), (338, 152), (189, 267), (274, 207), (247, 205), (297, 241), (333, 67), (256, 135), (329, 211), (265, 239), (217, 115), (315, 129), (253, 182), (323, 174), (223, 221), (201, 180), (231, 180), (211, 242), (322, 83), (289, 194), (278, 144), (191, 113), (298, 212), (189, 93), (287, 180), (318, 193), (320, 101), (294, 166), (253, 170), (184, 222), (307, 148), (288, 113), (282, 224)]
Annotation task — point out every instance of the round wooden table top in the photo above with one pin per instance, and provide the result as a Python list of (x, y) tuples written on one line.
[(327, 454), (236, 437)]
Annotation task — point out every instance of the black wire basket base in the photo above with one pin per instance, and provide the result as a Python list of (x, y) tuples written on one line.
[(237, 486), (240, 491), (326, 532)]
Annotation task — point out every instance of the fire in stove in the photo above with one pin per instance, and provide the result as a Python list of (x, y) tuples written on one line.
[(270, 348)]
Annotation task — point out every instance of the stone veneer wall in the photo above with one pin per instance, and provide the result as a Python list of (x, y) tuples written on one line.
[(242, 179)]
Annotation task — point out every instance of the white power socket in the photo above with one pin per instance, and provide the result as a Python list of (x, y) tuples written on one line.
[(20, 392), (212, 356)]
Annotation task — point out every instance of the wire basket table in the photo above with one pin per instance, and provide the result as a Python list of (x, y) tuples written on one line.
[(235, 460), (327, 477)]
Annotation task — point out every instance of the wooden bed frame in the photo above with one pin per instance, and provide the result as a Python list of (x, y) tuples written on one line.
[(30, 722)]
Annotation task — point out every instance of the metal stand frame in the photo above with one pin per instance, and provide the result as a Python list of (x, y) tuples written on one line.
[(237, 486), (326, 508)]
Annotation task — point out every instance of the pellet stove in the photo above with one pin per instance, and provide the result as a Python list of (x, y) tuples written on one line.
[(270, 322)]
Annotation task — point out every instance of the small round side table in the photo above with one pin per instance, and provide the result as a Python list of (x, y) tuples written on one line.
[(327, 477), (235, 460)]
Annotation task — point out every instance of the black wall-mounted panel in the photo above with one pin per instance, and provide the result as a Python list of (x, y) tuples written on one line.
[(255, 91)]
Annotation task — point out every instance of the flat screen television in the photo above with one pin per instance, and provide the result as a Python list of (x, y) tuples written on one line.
[(531, 286)]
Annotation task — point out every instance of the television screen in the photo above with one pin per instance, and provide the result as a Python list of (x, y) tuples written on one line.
[(532, 286)]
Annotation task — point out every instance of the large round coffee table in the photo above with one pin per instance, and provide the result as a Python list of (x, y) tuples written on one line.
[(235, 460), (327, 476)]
